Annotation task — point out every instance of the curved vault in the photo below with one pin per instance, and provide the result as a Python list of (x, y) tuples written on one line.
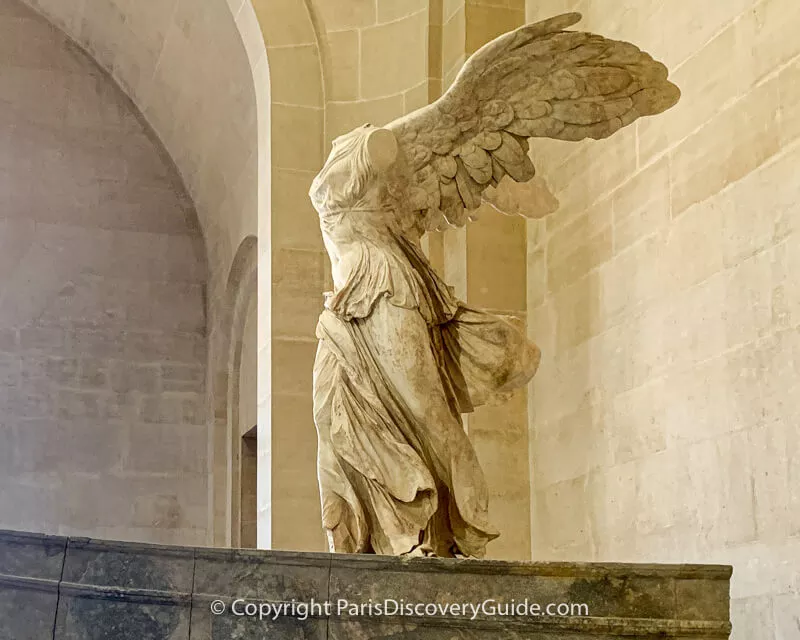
[(198, 73), (102, 319)]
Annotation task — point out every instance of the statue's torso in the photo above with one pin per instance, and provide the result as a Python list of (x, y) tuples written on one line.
[(370, 259)]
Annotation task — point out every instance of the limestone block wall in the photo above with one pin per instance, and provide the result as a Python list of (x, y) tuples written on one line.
[(487, 19), (665, 296), (198, 73), (454, 27), (291, 273), (486, 263), (375, 60), (102, 305)]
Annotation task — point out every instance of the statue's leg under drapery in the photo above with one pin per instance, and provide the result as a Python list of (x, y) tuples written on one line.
[(400, 341), (396, 467), (390, 436)]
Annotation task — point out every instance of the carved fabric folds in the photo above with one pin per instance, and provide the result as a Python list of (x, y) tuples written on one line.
[(396, 468)]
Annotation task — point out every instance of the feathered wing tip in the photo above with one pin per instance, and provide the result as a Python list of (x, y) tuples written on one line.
[(537, 81), (556, 23)]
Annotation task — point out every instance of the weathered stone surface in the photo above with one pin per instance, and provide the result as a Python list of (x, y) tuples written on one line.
[(274, 576), (30, 570), (113, 590), (32, 555), (609, 590), (686, 366), (102, 280), (206, 626), (130, 591), (99, 614), (27, 609), (129, 565), (435, 629)]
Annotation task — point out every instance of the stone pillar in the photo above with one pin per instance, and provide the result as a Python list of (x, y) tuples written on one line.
[(486, 263), (291, 280)]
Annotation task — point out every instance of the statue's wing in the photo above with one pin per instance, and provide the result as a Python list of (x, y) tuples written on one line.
[(536, 81)]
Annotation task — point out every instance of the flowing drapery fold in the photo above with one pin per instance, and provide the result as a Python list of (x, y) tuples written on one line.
[(396, 468)]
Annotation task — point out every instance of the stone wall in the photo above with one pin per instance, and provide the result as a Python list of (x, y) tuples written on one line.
[(198, 73), (376, 60), (102, 286), (191, 70), (291, 275), (664, 294)]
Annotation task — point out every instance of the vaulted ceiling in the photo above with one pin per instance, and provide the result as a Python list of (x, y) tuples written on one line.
[(197, 70)]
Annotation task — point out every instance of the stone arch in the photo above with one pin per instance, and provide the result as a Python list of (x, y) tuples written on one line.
[(226, 360), (375, 59), (102, 314), (200, 77)]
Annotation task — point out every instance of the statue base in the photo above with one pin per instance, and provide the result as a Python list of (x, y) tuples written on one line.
[(80, 589)]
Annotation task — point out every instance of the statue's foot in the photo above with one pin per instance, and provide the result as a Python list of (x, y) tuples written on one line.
[(420, 551)]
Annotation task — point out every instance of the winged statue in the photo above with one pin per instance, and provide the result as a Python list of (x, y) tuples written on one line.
[(400, 358)]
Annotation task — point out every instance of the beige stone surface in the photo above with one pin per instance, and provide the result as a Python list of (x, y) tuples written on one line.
[(342, 51), (307, 48), (374, 59), (289, 63), (338, 15), (184, 79), (683, 339), (488, 19), (103, 276), (199, 75), (388, 62), (453, 40)]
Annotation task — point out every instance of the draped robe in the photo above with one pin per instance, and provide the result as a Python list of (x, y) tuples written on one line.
[(399, 360)]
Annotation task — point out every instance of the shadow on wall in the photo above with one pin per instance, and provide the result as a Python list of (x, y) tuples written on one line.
[(102, 305)]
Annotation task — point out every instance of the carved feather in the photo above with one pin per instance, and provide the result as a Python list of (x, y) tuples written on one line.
[(478, 164), (446, 166), (468, 189), (488, 140)]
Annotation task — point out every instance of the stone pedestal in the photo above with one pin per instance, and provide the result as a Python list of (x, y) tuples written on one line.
[(80, 589)]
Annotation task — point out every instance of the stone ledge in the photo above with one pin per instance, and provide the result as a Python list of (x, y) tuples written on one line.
[(33, 584), (505, 567), (597, 626), (80, 588), (146, 596)]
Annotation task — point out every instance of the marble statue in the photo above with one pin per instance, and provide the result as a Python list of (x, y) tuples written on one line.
[(400, 358)]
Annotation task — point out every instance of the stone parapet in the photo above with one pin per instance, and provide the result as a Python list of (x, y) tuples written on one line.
[(80, 589)]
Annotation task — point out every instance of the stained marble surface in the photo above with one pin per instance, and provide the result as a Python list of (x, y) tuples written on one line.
[(55, 588), (32, 555)]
